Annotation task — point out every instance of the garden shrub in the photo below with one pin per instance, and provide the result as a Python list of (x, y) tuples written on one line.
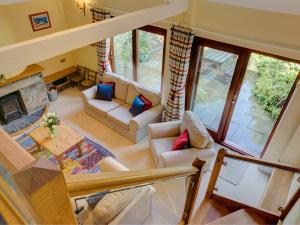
[(275, 80)]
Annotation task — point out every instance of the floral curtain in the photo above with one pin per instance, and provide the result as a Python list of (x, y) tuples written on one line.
[(179, 58), (102, 47)]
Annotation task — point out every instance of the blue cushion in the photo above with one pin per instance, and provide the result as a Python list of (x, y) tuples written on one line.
[(137, 106), (104, 92)]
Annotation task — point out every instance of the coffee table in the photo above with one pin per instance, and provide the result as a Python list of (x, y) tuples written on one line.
[(65, 139)]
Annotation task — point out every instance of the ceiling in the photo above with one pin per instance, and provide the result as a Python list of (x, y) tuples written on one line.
[(280, 6)]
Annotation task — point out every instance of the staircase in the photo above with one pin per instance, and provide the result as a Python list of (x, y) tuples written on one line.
[(241, 217), (212, 212), (216, 209)]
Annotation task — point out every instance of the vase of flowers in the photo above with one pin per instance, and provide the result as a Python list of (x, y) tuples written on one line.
[(51, 120)]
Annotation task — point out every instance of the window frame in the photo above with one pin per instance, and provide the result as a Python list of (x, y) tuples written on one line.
[(135, 51), (193, 79)]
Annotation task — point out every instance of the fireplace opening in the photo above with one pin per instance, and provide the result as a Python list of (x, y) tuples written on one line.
[(10, 108)]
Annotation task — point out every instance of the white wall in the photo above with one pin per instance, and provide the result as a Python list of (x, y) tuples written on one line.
[(18, 28)]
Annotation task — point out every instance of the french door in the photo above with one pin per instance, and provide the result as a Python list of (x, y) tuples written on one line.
[(230, 89)]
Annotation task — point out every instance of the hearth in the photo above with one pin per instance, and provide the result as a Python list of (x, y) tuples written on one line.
[(10, 108)]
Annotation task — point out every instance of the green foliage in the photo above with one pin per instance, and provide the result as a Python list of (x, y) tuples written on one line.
[(275, 80), (123, 46)]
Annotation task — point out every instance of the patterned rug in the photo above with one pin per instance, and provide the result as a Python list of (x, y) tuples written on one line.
[(92, 153)]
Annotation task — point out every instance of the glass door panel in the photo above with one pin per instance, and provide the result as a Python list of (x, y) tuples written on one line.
[(150, 62), (216, 73), (123, 54), (265, 88)]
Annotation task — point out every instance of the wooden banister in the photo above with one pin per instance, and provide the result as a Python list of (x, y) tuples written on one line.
[(85, 184), (290, 204), (262, 162), (215, 173)]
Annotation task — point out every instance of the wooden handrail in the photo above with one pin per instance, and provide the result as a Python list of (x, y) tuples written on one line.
[(262, 162), (85, 184), (290, 204)]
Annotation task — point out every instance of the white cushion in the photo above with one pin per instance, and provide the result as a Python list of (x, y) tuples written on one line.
[(112, 204), (121, 116), (102, 106), (135, 89), (159, 146), (121, 87), (198, 135)]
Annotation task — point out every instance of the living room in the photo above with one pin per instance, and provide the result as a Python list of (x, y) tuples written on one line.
[(227, 47)]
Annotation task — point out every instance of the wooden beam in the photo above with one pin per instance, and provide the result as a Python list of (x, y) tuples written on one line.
[(84, 184), (45, 47)]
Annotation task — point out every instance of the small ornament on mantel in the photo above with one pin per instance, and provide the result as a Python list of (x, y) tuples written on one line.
[(2, 79), (51, 121)]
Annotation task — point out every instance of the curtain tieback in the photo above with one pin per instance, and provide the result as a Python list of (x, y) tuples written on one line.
[(173, 93)]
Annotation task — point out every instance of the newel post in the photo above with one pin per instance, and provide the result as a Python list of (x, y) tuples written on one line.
[(44, 187), (194, 185)]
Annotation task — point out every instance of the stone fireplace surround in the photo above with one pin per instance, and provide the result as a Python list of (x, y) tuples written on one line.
[(32, 92)]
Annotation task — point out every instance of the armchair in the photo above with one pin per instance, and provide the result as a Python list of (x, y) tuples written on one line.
[(162, 136)]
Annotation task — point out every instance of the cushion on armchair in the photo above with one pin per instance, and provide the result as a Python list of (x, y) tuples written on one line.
[(198, 135), (181, 142)]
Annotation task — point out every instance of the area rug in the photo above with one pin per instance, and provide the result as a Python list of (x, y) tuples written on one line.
[(92, 153), (23, 122)]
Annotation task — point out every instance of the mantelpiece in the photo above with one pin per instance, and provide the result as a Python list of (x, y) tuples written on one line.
[(29, 71)]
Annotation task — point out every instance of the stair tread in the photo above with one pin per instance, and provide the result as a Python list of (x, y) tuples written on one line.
[(240, 217), (208, 211)]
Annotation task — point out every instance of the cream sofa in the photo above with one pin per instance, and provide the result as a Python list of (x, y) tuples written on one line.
[(162, 136), (127, 207), (116, 113)]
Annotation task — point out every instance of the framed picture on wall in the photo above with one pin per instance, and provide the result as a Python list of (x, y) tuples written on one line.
[(40, 21)]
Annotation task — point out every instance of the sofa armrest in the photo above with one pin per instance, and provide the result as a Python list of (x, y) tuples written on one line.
[(152, 115), (164, 130), (90, 93), (109, 164), (184, 157)]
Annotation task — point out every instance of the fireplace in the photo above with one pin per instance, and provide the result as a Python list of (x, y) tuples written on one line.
[(10, 108), (23, 97)]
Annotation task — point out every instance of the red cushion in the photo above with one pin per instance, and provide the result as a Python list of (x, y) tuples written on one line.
[(113, 85), (182, 141), (147, 102)]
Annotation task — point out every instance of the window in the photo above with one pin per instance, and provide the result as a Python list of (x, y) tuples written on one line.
[(139, 55), (122, 51), (239, 94)]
